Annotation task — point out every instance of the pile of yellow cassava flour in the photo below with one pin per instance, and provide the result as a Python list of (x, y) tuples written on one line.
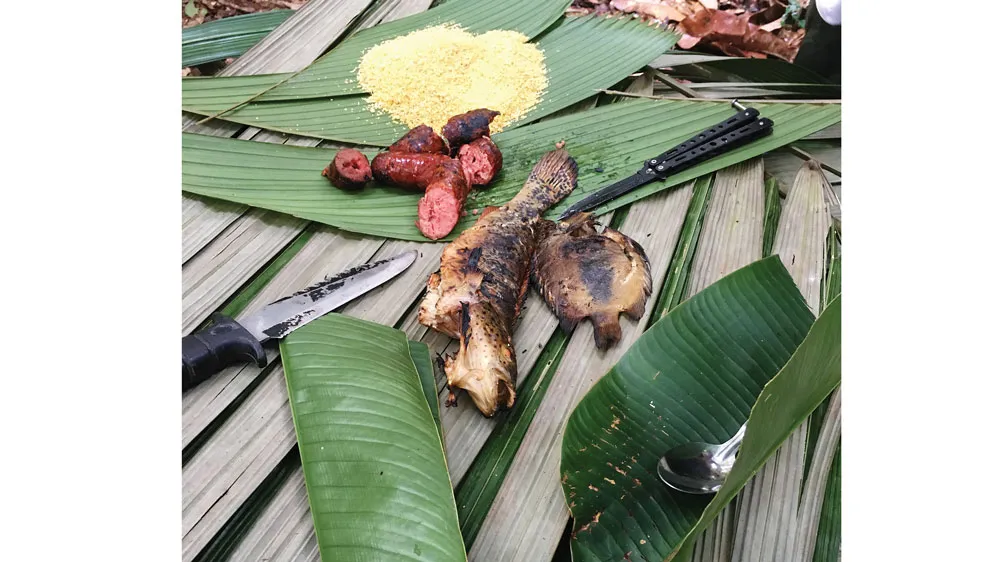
[(432, 74)]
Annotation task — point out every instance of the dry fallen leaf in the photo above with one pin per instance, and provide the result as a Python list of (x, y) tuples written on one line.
[(662, 10), (734, 35), (706, 22), (687, 41), (769, 27)]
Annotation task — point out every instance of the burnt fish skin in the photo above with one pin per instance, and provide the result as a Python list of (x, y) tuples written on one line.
[(477, 294), (583, 273)]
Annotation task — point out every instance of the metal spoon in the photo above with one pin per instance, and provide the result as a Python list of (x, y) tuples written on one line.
[(699, 468)]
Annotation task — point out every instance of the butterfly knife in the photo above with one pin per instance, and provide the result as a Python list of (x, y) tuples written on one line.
[(228, 342), (744, 127)]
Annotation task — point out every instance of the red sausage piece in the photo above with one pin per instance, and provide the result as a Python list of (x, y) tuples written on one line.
[(481, 159), (467, 127), (420, 140), (349, 170), (441, 206), (412, 171)]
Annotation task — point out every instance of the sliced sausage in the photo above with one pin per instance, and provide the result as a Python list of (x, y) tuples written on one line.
[(349, 170)]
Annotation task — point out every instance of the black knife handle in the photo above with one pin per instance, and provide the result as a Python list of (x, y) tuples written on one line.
[(741, 119), (724, 143), (222, 344)]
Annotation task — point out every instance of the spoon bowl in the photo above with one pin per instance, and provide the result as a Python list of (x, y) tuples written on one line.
[(699, 468)]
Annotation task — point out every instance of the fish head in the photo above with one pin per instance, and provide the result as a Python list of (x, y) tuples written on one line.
[(484, 366)]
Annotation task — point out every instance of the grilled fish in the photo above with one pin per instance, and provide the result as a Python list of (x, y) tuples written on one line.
[(582, 273), (477, 294)]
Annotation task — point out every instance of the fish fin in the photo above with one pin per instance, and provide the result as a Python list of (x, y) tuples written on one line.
[(607, 330), (449, 366), (578, 220), (552, 178), (452, 399)]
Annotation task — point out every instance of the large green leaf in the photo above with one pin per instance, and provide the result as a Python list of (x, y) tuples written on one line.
[(421, 356), (373, 460), (614, 139), (627, 45), (692, 376), (333, 74), (785, 402), (228, 37)]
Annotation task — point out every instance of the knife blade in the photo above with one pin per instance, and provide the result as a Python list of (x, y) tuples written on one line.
[(227, 342)]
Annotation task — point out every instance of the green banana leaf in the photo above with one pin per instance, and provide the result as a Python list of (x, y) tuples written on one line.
[(333, 74), (421, 356), (828, 534), (627, 45), (373, 460), (785, 402), (609, 142), (228, 37), (695, 375)]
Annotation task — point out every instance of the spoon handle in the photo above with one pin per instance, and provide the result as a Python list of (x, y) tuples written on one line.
[(730, 447)]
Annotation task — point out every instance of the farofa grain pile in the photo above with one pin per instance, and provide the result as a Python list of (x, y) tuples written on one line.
[(431, 74)]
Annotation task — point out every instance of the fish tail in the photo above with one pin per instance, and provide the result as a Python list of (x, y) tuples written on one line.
[(550, 181)]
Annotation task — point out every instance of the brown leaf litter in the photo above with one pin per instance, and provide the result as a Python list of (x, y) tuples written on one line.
[(202, 11), (739, 28)]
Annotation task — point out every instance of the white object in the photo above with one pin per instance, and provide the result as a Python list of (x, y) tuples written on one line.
[(829, 10)]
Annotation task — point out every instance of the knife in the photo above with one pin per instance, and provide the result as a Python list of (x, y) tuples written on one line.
[(227, 342), (736, 131)]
